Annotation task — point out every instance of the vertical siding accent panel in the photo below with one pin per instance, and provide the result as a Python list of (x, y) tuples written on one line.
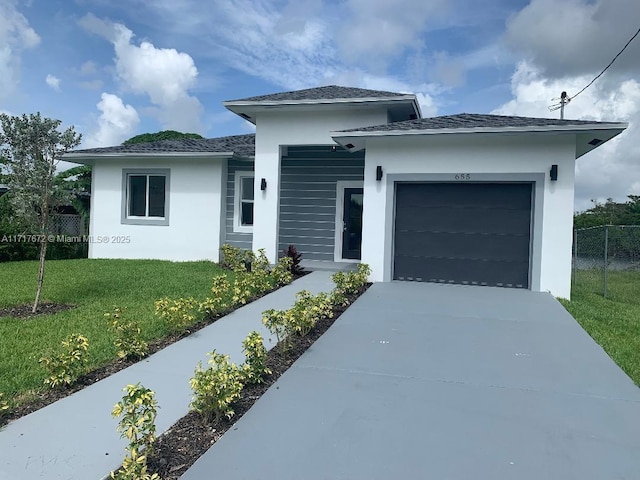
[(237, 239), (308, 177)]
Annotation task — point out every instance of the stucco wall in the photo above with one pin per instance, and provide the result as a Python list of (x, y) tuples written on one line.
[(475, 154), (280, 127), (195, 203)]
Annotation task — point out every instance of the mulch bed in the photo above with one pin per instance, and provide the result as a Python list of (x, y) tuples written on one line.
[(24, 311), (190, 437)]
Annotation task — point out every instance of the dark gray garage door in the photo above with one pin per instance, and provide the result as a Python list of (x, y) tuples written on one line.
[(467, 233)]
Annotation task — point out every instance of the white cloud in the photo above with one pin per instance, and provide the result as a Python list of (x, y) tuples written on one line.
[(116, 123), (611, 170), (163, 74), (575, 37), (53, 82), (16, 35)]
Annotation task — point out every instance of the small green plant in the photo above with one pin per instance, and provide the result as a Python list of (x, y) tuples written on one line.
[(179, 314), (4, 405), (296, 257), (281, 272), (254, 368), (128, 341), (242, 289), (349, 283), (277, 322), (66, 366), (234, 258), (137, 409), (216, 387), (219, 301)]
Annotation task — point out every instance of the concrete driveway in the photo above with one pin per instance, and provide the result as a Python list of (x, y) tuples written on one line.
[(443, 382)]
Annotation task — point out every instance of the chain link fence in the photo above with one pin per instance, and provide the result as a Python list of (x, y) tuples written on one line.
[(606, 259)]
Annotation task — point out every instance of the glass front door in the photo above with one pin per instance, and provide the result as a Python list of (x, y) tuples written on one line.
[(352, 223)]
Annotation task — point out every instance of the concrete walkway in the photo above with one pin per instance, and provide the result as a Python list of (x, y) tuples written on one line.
[(441, 382), (76, 438)]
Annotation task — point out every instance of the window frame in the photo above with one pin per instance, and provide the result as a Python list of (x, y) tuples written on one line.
[(237, 201), (127, 219)]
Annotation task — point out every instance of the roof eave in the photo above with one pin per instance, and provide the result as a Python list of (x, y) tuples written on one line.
[(247, 109), (90, 158), (358, 138)]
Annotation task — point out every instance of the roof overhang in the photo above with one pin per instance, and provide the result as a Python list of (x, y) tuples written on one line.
[(588, 136), (90, 158), (400, 107)]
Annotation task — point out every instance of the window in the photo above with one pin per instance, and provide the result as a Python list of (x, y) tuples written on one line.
[(145, 197), (243, 213)]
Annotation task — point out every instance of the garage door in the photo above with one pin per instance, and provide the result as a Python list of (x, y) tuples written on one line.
[(466, 233)]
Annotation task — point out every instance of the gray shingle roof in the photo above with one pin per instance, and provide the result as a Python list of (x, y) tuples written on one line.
[(330, 92), (241, 145), (471, 120)]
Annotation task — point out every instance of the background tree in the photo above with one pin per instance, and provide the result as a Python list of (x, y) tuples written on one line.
[(610, 213), (77, 182), (31, 147), (163, 135)]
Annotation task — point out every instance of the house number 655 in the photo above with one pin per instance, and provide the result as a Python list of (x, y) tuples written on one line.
[(462, 176)]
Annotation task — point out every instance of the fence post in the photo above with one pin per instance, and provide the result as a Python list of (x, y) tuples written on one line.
[(575, 256), (606, 260)]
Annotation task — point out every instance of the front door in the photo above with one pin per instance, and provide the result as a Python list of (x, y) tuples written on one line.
[(352, 223)]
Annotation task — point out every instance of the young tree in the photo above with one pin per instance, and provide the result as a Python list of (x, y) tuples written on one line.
[(31, 147)]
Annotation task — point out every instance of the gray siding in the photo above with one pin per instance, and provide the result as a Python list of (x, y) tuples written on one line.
[(240, 240), (308, 197)]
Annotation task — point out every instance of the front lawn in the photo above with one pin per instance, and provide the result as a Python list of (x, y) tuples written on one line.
[(95, 287), (614, 322)]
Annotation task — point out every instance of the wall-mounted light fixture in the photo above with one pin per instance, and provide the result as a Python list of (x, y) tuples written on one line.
[(378, 173), (553, 173), (263, 184)]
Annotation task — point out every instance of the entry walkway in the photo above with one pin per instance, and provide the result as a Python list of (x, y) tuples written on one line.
[(444, 382), (76, 439)]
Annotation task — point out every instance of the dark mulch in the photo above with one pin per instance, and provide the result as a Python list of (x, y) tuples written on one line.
[(24, 311), (50, 396), (191, 436)]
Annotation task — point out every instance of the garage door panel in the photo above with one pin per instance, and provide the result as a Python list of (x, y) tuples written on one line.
[(463, 271), (475, 194), (467, 246), (465, 220), (469, 233)]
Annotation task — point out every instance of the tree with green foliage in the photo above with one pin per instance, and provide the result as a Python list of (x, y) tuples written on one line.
[(77, 182), (163, 135), (31, 147), (610, 213)]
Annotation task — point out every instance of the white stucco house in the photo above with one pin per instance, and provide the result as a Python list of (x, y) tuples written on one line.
[(348, 175)]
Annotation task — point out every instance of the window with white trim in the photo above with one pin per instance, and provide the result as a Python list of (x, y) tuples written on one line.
[(145, 196), (243, 211)]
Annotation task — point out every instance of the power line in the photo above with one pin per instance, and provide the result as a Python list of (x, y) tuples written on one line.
[(607, 67)]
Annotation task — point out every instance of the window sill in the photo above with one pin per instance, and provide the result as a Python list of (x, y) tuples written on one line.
[(145, 221)]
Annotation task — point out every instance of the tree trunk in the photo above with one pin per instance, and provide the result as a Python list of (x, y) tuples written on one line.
[(43, 253)]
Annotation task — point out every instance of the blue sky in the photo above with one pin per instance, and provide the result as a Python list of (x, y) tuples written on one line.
[(117, 69)]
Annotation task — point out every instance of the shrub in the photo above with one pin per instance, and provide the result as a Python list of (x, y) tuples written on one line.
[(281, 272), (233, 258), (66, 366), (276, 322), (178, 314), (219, 301), (349, 283), (128, 341), (216, 387), (4, 405), (242, 289), (292, 252), (138, 409), (254, 368)]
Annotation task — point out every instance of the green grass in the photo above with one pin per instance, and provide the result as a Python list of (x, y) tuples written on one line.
[(614, 322), (95, 287)]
